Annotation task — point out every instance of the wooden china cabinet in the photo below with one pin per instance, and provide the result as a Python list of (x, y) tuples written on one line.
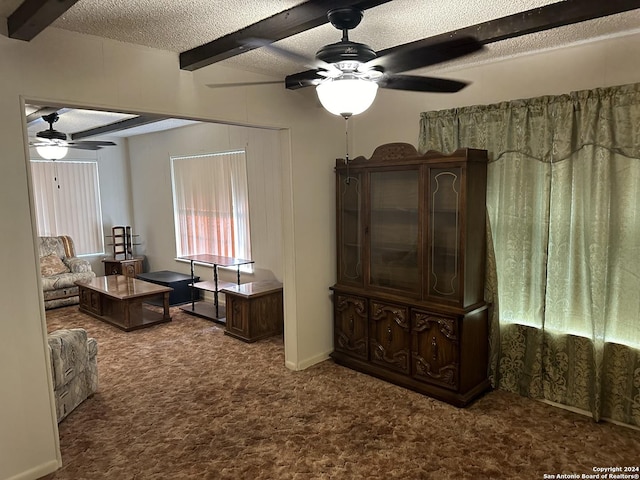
[(409, 299)]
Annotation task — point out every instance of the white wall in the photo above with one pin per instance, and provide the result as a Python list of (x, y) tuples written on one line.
[(115, 184), (152, 193), (615, 61), (74, 69)]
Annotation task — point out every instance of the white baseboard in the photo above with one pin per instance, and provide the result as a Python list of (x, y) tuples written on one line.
[(37, 472), (587, 413), (309, 362)]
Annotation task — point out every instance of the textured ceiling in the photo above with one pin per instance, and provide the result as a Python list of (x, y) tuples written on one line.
[(178, 26), (181, 25)]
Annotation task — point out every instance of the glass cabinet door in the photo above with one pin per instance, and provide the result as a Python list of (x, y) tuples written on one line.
[(444, 233), (394, 227), (350, 229)]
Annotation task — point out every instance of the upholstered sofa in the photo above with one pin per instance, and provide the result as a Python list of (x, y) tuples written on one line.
[(74, 367), (60, 269)]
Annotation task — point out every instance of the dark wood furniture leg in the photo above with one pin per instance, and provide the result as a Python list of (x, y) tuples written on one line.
[(215, 292), (165, 304), (193, 298)]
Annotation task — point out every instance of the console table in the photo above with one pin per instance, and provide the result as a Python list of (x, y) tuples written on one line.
[(202, 308)]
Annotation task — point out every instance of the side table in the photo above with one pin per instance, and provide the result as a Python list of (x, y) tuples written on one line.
[(129, 267), (254, 310)]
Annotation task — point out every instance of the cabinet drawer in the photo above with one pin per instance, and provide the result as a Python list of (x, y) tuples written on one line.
[(128, 267), (435, 349), (389, 337), (350, 326)]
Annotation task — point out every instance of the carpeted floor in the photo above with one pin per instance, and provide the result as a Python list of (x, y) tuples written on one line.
[(183, 401)]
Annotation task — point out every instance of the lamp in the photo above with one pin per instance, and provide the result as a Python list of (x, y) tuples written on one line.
[(52, 151), (346, 96)]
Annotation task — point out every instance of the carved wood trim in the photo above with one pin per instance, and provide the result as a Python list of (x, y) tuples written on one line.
[(446, 326), (447, 374), (405, 153), (359, 304), (398, 314), (359, 347), (348, 308), (400, 358)]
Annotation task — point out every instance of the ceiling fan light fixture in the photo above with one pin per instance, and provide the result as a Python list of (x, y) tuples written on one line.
[(347, 96), (52, 152)]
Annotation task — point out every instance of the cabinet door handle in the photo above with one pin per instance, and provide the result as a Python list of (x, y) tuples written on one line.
[(351, 325), (389, 335), (434, 349)]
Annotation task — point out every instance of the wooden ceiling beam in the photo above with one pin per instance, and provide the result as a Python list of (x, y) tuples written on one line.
[(298, 19), (33, 16), (550, 16), (117, 126)]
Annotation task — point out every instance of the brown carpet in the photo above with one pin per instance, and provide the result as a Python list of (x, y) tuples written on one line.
[(183, 401)]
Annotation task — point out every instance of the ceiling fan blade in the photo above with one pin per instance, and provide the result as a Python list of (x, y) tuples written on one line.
[(415, 83), (310, 78), (42, 142), (293, 56), (241, 84), (90, 144), (405, 59), (95, 143), (79, 146)]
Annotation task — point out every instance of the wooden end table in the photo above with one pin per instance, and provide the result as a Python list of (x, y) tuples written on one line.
[(254, 310), (131, 266), (120, 301)]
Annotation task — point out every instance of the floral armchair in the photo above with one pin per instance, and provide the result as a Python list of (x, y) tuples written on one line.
[(60, 269), (74, 367)]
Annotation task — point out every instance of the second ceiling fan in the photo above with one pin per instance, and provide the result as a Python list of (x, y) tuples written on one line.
[(53, 145)]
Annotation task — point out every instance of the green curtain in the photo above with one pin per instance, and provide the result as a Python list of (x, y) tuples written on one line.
[(563, 276)]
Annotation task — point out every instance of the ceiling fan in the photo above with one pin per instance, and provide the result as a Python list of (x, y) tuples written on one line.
[(53, 145), (347, 74)]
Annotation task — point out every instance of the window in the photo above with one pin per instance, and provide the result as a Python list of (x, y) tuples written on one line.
[(67, 202), (211, 204)]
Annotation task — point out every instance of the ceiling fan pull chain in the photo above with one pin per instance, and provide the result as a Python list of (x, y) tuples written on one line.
[(346, 157), (55, 174)]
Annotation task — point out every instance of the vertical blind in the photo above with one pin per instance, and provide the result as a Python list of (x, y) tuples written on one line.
[(211, 204), (67, 202)]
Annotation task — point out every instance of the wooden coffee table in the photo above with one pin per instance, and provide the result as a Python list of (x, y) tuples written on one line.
[(120, 301)]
